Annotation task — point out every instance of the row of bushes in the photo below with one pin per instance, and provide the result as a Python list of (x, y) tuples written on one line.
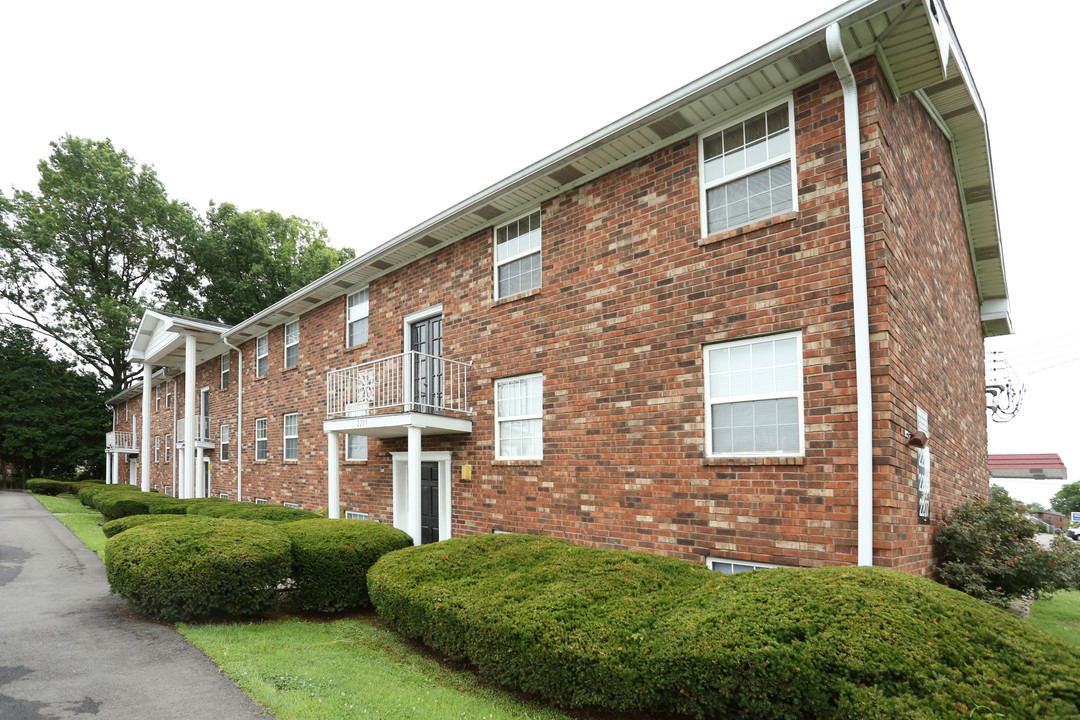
[(45, 486), (629, 631), (119, 501), (197, 567)]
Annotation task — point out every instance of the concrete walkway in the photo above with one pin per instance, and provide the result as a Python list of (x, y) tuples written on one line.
[(69, 649)]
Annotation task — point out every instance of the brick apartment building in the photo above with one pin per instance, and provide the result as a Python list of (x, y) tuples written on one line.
[(656, 338)]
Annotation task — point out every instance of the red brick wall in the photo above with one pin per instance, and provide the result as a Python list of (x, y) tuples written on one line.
[(630, 296)]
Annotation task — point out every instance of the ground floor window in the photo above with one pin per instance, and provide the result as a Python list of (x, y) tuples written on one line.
[(356, 447)]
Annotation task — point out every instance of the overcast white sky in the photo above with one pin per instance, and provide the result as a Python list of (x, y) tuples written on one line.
[(372, 117)]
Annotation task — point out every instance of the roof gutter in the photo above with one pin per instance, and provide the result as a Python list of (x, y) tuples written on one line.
[(860, 297)]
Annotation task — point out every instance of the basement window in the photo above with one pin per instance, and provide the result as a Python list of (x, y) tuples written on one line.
[(747, 170), (353, 515), (294, 506), (734, 567)]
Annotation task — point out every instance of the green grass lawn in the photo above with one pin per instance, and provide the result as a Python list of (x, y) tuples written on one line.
[(83, 521), (1059, 615)]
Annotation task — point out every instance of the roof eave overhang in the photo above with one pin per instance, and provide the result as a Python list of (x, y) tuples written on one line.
[(918, 50)]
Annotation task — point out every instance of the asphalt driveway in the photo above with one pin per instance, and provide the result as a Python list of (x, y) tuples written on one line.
[(69, 649)]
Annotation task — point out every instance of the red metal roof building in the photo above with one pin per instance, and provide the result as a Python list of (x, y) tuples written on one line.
[(1039, 466)]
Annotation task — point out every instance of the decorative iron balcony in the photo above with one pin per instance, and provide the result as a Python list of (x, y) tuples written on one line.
[(121, 440), (202, 429), (405, 383)]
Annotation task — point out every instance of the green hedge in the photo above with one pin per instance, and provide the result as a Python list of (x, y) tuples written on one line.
[(624, 631), (190, 571), (249, 511), (115, 527), (44, 486), (331, 559), (118, 503), (89, 492)]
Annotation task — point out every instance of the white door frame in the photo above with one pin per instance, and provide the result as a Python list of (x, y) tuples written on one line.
[(400, 463)]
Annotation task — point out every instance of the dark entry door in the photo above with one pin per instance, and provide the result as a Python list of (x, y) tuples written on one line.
[(429, 502), (426, 338)]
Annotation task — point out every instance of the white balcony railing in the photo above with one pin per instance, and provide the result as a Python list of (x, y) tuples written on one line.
[(120, 440), (409, 382), (202, 429)]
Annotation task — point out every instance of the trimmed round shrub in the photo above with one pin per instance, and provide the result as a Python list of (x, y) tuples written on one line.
[(115, 527), (192, 571), (166, 505), (625, 631), (250, 511), (87, 494), (44, 486), (115, 504), (331, 559)]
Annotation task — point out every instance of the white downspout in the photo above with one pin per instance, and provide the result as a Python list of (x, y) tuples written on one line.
[(860, 296), (239, 419)]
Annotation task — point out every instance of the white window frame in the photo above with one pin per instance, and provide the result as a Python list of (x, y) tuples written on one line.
[(157, 398), (363, 312), (742, 565), (157, 448), (168, 393), (287, 437), (226, 366), (539, 251), (355, 515), (355, 457), (262, 355), (223, 496), (788, 157), (294, 506), (261, 450), (294, 344), (262, 501), (528, 416), (798, 394), (223, 442), (168, 447)]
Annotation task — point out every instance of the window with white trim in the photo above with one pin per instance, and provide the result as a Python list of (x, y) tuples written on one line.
[(225, 361), (262, 355), (356, 322), (168, 448), (223, 450), (157, 398), (294, 506), (292, 343), (734, 567), (260, 438), (519, 407), (748, 170), (292, 436), (157, 448), (168, 394), (517, 256), (753, 397), (354, 515), (261, 501), (223, 496), (356, 447)]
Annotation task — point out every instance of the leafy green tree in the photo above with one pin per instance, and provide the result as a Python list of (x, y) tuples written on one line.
[(250, 260), (1034, 507), (99, 242), (1067, 498), (52, 417)]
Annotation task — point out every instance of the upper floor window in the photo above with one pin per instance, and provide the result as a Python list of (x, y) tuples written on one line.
[(292, 343), (357, 321), (748, 170), (753, 395), (168, 395), (260, 439), (225, 370), (223, 451), (262, 355), (157, 398), (292, 436), (519, 406), (517, 256)]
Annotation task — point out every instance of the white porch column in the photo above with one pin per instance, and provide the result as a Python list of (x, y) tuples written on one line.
[(412, 499), (189, 415), (144, 452), (333, 479), (181, 488), (200, 486), (108, 468), (116, 468)]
